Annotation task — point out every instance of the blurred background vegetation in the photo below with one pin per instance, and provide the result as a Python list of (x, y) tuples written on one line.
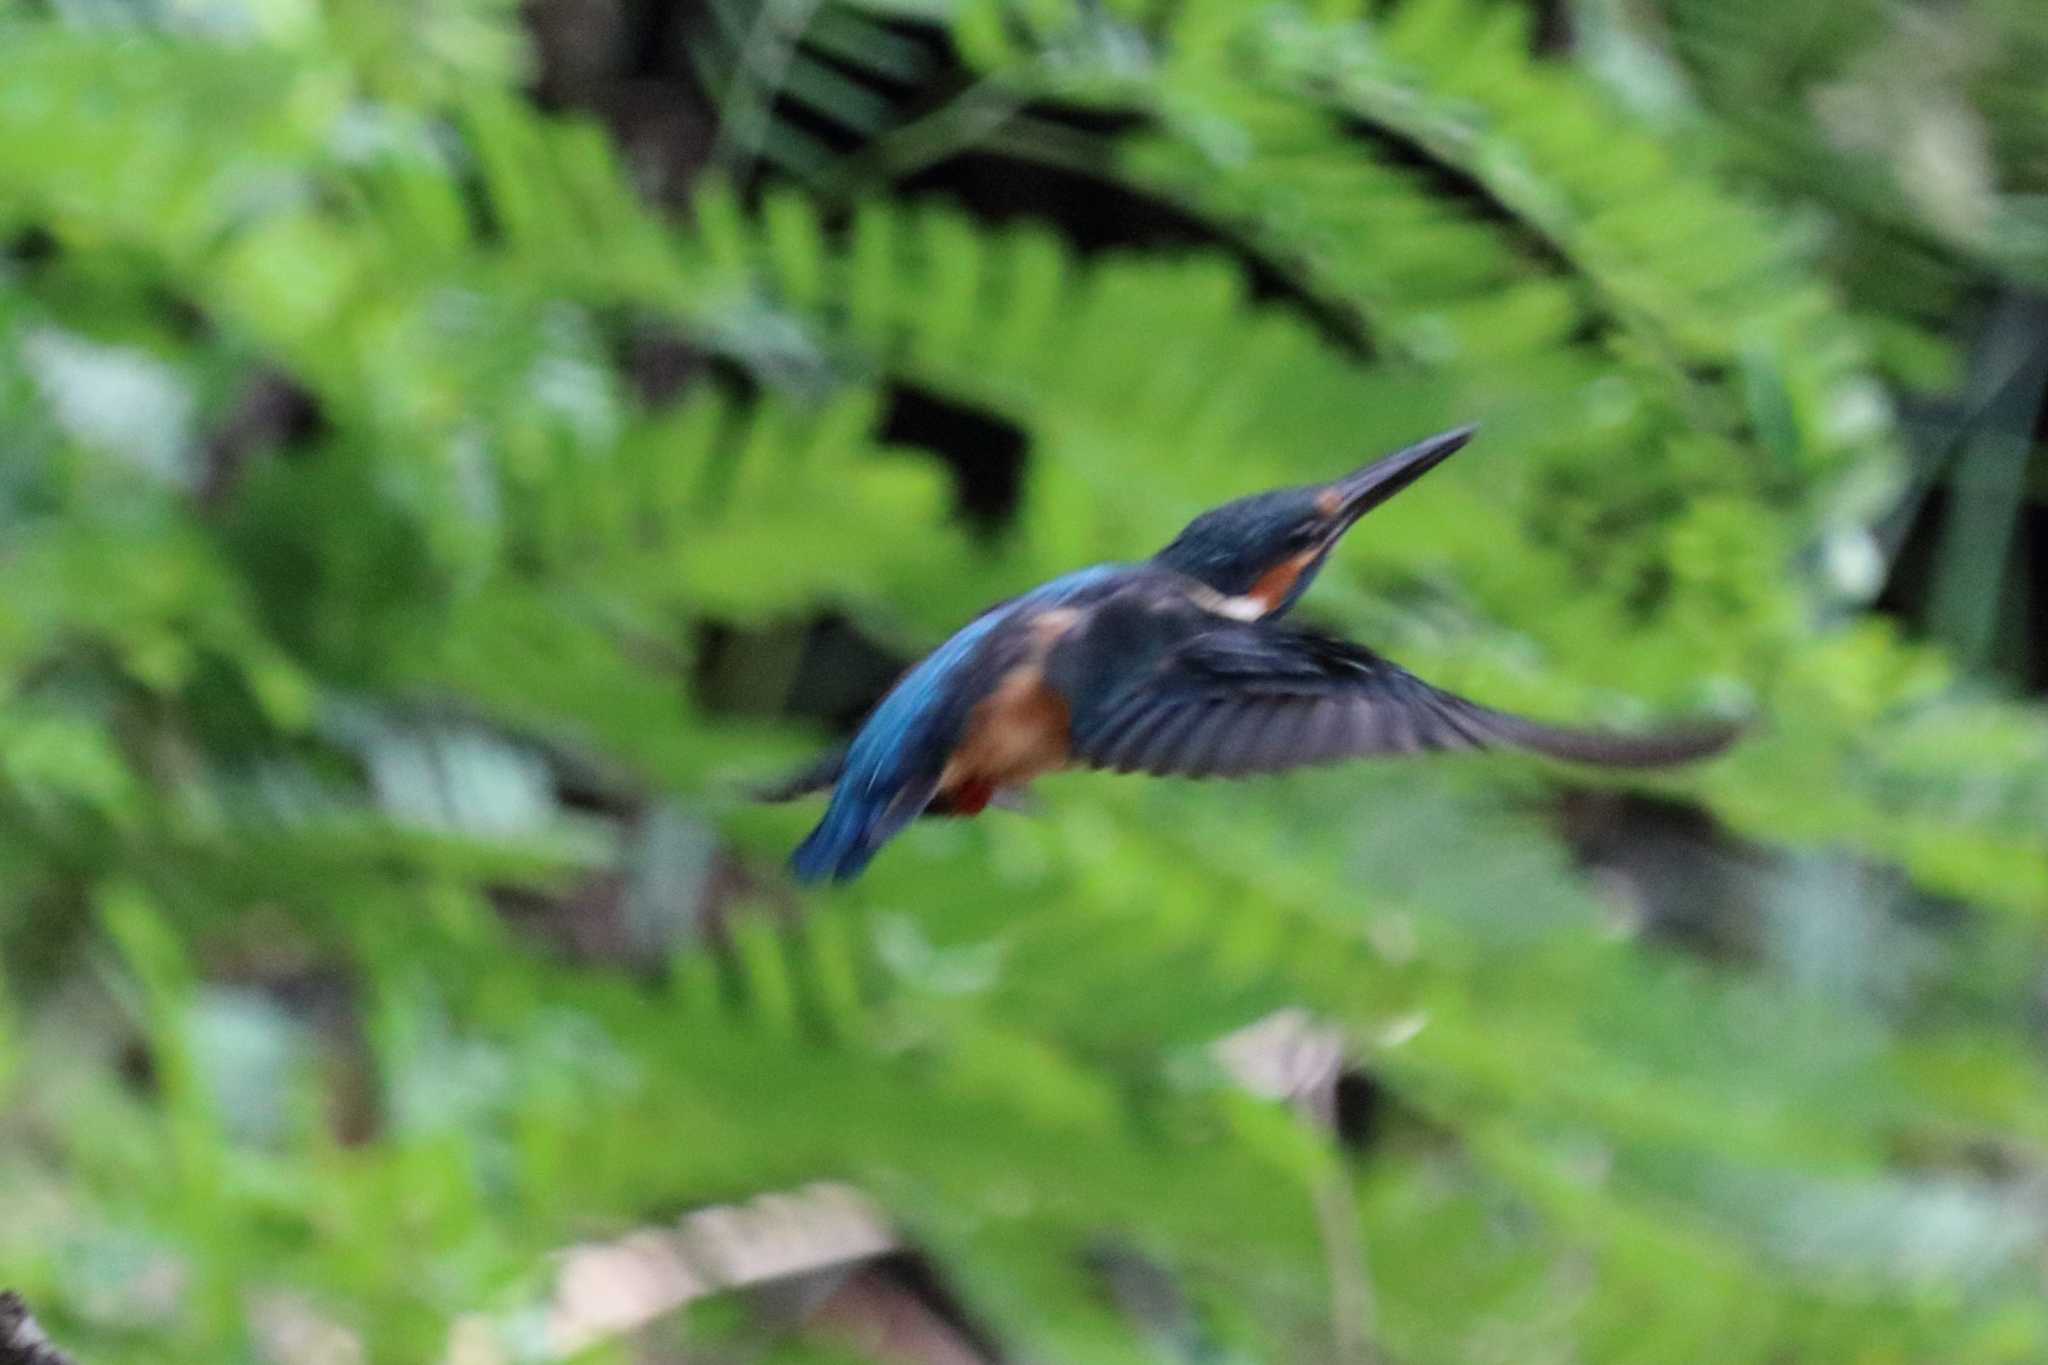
[(447, 448)]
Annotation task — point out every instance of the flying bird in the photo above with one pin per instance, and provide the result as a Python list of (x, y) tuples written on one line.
[(1179, 666)]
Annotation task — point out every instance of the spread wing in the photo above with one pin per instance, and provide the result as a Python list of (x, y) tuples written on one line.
[(1232, 699)]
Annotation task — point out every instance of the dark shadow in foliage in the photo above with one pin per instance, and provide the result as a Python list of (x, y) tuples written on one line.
[(30, 247), (662, 365), (899, 1307), (2005, 390), (1096, 215), (626, 64), (1908, 591), (1683, 879), (985, 452), (274, 415), (1363, 1108), (833, 673), (1552, 34), (324, 996), (1454, 184)]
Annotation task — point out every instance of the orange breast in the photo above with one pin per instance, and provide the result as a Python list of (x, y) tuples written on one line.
[(1015, 733), (1020, 729)]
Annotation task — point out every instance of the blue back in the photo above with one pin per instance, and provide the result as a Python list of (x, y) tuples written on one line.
[(896, 758)]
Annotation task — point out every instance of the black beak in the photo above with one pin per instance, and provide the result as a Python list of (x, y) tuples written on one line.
[(1357, 494)]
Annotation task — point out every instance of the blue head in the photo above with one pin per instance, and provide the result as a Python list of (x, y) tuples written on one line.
[(1263, 551)]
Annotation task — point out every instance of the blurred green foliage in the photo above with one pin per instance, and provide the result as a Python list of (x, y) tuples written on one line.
[(294, 711)]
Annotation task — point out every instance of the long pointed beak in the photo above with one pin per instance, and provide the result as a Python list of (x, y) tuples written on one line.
[(1357, 494)]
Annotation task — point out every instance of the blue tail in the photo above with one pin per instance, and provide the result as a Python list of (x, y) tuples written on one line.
[(893, 765), (852, 832), (835, 848)]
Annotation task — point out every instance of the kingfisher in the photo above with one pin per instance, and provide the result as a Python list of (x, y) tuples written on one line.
[(1178, 666)]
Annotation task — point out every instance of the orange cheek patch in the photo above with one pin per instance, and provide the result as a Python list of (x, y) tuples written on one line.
[(1278, 581)]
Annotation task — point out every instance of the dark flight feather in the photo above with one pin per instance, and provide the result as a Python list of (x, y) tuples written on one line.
[(1232, 699)]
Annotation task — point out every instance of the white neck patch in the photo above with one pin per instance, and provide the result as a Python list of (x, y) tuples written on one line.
[(1240, 608)]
